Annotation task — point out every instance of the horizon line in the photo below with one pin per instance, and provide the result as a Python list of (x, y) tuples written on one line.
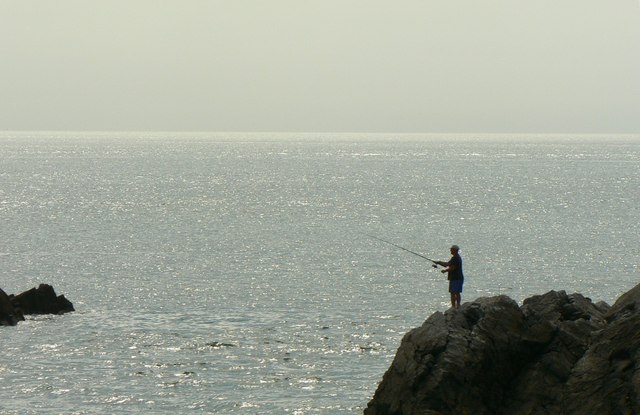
[(519, 133)]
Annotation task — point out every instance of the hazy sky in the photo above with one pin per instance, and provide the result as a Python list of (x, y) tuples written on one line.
[(321, 65)]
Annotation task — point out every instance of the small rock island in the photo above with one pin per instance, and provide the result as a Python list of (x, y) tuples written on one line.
[(555, 354), (41, 300)]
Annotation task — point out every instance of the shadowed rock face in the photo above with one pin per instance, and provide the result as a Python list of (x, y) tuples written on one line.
[(556, 354), (41, 300), (9, 316)]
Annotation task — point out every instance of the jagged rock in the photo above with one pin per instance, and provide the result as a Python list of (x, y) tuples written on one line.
[(557, 354), (606, 380), (9, 316), (41, 300)]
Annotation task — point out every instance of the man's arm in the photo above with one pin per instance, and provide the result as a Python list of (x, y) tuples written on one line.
[(450, 266)]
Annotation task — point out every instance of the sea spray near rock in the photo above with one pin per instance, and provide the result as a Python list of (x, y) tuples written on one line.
[(556, 354), (41, 300)]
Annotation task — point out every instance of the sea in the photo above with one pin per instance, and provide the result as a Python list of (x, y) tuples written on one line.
[(276, 273)]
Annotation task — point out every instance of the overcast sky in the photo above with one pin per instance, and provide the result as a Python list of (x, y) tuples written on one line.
[(531, 66)]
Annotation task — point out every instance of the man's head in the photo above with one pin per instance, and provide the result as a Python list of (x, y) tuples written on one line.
[(454, 249)]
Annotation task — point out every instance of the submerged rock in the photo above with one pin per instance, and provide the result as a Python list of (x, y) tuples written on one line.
[(41, 300), (556, 354)]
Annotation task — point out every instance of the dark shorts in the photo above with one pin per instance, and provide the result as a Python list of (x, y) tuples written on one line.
[(455, 286)]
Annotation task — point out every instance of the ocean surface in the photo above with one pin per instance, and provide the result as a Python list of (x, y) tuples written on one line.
[(237, 273)]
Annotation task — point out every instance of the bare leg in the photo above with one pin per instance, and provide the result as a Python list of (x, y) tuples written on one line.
[(456, 298)]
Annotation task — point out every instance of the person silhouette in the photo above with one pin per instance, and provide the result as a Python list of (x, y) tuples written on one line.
[(453, 268)]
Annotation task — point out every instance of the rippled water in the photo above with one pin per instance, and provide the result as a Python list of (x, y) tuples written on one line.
[(233, 274)]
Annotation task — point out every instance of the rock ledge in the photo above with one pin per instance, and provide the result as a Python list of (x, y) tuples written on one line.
[(556, 354)]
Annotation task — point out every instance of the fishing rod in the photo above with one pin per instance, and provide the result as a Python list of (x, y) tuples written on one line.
[(435, 263)]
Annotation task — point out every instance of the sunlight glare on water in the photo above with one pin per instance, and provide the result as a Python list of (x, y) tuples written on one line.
[(234, 274)]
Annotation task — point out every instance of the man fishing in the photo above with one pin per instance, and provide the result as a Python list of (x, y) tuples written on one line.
[(453, 268)]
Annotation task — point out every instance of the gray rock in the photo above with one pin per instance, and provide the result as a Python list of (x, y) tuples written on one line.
[(557, 354)]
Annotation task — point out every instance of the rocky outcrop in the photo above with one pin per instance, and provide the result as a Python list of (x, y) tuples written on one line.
[(41, 300), (9, 316), (556, 354)]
